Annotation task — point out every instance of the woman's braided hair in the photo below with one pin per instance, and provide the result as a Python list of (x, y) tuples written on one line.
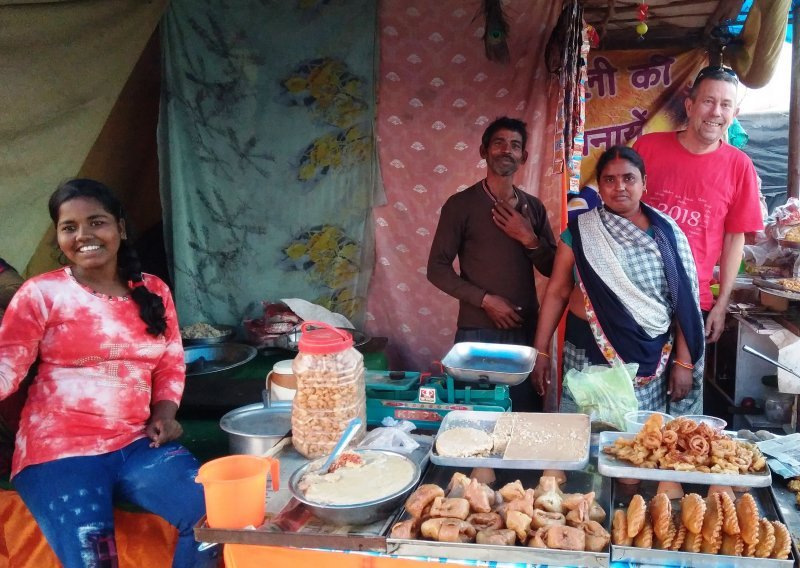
[(151, 306)]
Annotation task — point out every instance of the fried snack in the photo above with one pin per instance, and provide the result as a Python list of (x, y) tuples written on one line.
[(597, 537), (693, 511), (680, 536), (518, 522), (485, 521), (536, 538), (749, 550), (563, 537), (635, 517), (450, 507), (665, 543), (645, 537), (711, 546), (661, 515), (712, 522), (766, 539), (747, 515), (794, 485), (448, 530), (406, 529), (545, 519), (496, 536), (730, 524), (421, 498), (732, 545), (692, 542), (619, 529), (783, 541), (511, 491), (596, 512), (672, 489)]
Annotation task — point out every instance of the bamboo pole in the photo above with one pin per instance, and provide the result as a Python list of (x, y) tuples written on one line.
[(793, 181)]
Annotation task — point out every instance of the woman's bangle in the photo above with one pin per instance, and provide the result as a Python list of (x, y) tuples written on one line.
[(543, 354), (682, 364)]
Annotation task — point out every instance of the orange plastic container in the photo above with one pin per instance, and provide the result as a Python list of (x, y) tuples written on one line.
[(235, 489)]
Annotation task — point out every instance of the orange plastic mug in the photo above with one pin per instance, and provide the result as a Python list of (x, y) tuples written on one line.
[(235, 489)]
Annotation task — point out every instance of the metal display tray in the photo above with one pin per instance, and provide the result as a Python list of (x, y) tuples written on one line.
[(634, 555), (612, 467), (577, 481), (489, 363), (486, 421)]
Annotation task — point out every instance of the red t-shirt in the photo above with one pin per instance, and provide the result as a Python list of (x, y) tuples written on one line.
[(708, 195), (99, 370)]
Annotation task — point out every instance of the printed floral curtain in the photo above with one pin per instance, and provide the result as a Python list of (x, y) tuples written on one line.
[(437, 94), (267, 154)]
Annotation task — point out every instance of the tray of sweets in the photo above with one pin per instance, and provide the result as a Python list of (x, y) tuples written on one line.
[(762, 497), (576, 482), (612, 467), (515, 440)]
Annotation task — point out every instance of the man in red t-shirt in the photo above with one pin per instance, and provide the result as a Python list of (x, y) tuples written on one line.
[(709, 187)]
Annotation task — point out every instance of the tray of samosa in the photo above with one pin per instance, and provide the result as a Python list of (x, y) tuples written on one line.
[(683, 451), (512, 440), (669, 524), (538, 517)]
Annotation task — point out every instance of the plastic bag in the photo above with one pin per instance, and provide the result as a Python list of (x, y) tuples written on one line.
[(393, 436), (604, 392)]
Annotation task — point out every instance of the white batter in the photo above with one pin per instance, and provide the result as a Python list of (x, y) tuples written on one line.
[(380, 476)]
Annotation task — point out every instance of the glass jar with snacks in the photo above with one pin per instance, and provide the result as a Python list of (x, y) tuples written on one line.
[(330, 389)]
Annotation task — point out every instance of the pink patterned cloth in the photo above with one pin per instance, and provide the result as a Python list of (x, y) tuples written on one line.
[(99, 370), (438, 92)]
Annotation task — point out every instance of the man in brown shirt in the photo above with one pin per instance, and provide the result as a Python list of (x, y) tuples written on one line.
[(499, 234)]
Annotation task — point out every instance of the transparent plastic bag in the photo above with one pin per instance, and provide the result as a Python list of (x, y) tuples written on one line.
[(603, 392), (393, 436)]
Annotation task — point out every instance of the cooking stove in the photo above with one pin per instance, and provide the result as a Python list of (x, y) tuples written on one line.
[(425, 399)]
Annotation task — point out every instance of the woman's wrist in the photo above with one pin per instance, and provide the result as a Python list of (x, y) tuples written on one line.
[(680, 363)]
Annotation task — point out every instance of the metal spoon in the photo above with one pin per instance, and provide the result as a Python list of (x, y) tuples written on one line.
[(347, 437)]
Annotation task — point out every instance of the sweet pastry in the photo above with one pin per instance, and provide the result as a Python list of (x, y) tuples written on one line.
[(712, 522), (693, 511), (711, 546), (661, 515), (747, 515), (645, 537), (732, 545), (783, 541), (766, 539), (665, 543), (619, 529), (636, 510), (730, 524), (726, 489), (680, 536), (692, 542)]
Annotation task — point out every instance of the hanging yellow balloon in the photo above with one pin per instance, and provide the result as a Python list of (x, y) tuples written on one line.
[(641, 28)]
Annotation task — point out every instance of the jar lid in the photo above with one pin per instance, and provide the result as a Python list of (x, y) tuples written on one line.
[(283, 367), (320, 338)]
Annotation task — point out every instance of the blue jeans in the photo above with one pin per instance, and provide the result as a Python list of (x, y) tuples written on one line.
[(72, 501)]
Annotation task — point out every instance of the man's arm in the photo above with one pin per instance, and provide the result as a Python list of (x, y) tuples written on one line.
[(729, 261), (445, 246)]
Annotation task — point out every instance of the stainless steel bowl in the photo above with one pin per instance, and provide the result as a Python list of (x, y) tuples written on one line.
[(227, 334), (256, 428), (359, 513), (208, 359)]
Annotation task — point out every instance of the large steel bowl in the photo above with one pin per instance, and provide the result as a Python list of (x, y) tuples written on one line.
[(359, 513), (217, 358)]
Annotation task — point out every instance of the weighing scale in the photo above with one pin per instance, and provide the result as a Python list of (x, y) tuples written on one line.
[(425, 399)]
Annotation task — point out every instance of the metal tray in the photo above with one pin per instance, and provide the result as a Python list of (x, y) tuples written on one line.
[(577, 481), (486, 421), (489, 363), (766, 506), (612, 467)]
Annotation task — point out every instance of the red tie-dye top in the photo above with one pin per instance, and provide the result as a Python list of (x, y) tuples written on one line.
[(99, 369)]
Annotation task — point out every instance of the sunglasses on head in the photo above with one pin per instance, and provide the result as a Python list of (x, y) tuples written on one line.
[(713, 70)]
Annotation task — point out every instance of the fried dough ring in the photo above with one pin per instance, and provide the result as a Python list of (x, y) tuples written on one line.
[(692, 542), (645, 537), (712, 522), (636, 510), (732, 545), (766, 539), (693, 510), (730, 524), (783, 541), (747, 515), (698, 445), (669, 438), (619, 529), (661, 514)]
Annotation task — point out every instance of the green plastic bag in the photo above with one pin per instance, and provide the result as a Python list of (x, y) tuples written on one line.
[(604, 392)]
